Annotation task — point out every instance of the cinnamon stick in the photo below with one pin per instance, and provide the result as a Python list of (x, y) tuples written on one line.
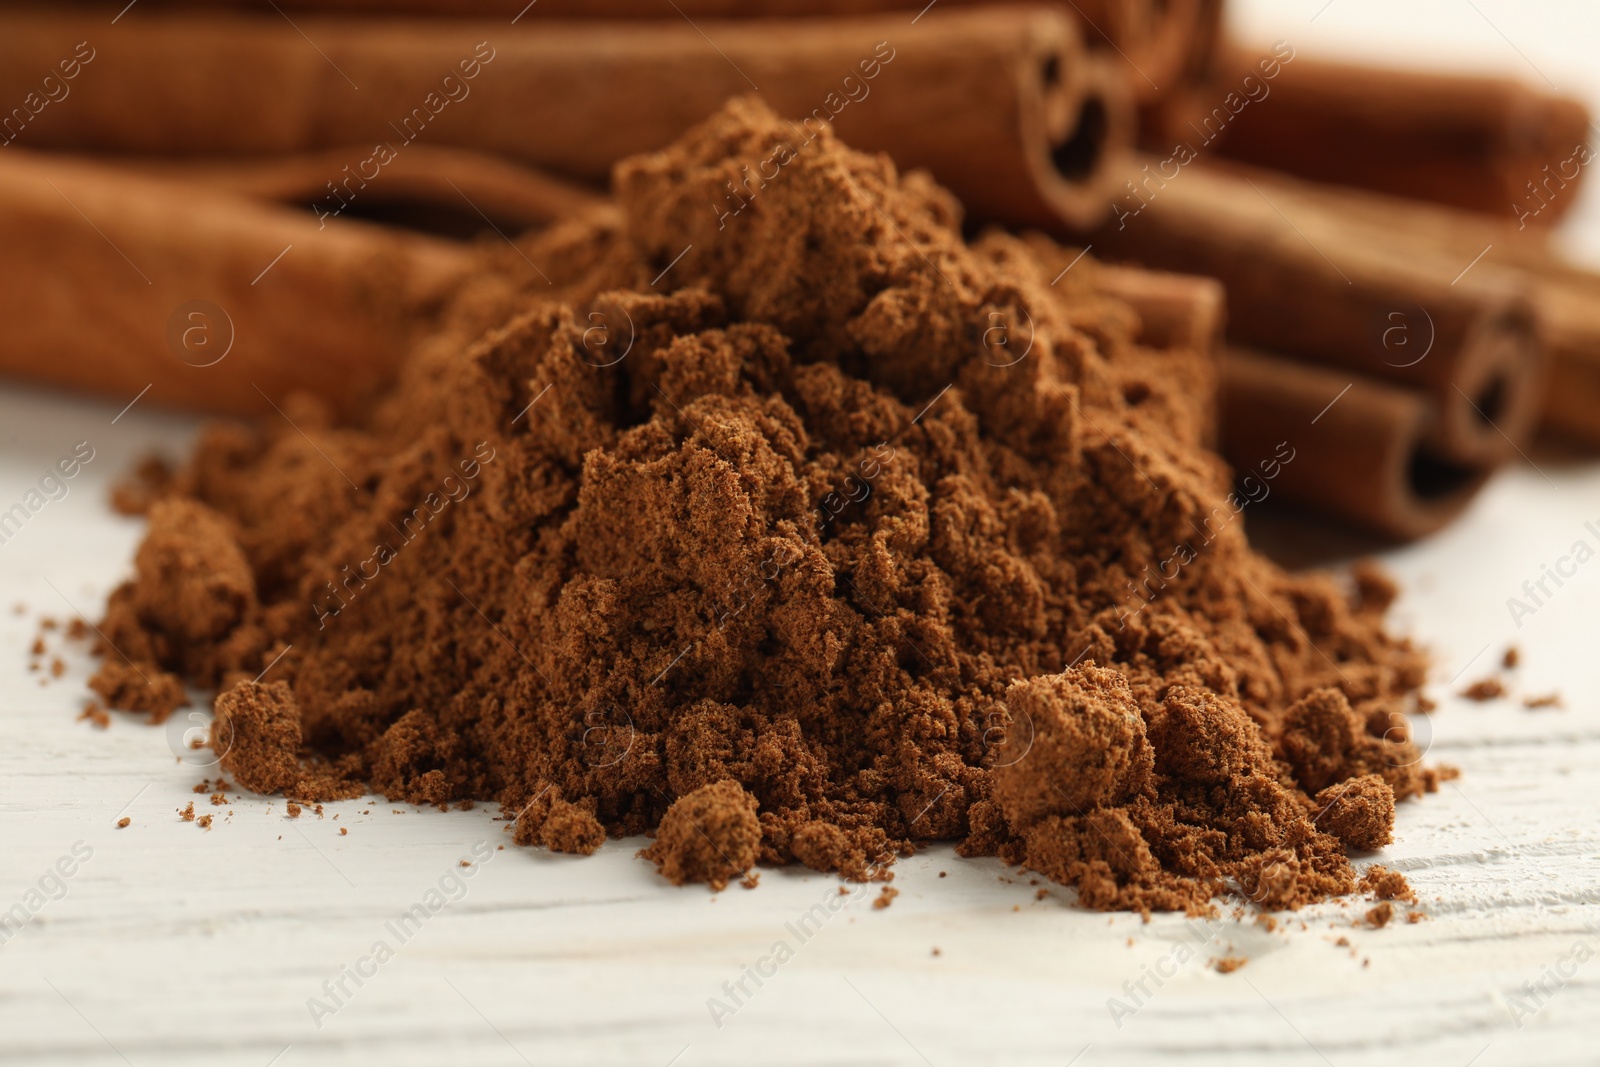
[(1157, 39), (439, 189), (1565, 296), (1175, 310), (1000, 104), (117, 283), (1357, 449), (1384, 305), (1477, 142)]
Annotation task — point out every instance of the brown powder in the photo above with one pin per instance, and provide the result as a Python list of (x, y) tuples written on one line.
[(1386, 884), (257, 735), (809, 535), (711, 835), (122, 823), (127, 687), (1229, 964), (885, 897), (1359, 812), (1379, 916), (1544, 700), (1485, 689), (572, 828)]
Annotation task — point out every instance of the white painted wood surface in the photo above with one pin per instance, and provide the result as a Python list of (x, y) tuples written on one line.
[(175, 945)]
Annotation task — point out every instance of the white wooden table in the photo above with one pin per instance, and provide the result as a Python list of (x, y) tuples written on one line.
[(169, 944)]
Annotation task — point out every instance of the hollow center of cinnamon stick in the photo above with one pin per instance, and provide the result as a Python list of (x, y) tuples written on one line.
[(1077, 157)]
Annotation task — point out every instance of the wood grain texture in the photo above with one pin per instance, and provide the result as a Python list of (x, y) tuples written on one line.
[(177, 945)]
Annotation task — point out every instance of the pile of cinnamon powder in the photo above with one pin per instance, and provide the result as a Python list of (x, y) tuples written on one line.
[(753, 534)]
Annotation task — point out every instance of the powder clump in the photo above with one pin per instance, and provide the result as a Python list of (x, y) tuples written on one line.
[(710, 835), (256, 735), (572, 828), (746, 531), (1359, 812)]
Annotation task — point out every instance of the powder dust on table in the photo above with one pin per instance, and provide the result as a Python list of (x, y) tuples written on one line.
[(810, 533)]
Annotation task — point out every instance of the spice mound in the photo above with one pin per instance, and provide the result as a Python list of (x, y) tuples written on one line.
[(807, 532)]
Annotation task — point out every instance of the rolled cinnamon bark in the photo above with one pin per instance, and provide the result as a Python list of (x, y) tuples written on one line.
[(1565, 297), (115, 282), (1480, 143), (1386, 306), (1175, 310), (438, 189), (1358, 448), (999, 104), (1158, 39)]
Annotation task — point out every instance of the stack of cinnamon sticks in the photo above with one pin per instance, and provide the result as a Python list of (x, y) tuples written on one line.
[(259, 139), (1393, 310), (1393, 297)]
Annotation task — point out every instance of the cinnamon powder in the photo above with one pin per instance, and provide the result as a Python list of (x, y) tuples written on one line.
[(809, 535)]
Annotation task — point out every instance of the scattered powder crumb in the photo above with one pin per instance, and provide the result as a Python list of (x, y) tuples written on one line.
[(1485, 689), (466, 863), (57, 667), (1545, 700), (38, 646), (293, 810), (343, 830), (1512, 657), (123, 822), (78, 629), (317, 810), (1040, 894), (751, 879), (187, 814), (1269, 922), (885, 897), (96, 714), (936, 951), (1380, 915), (1343, 942), (1229, 964), (218, 799), (1386, 884), (941, 874), (204, 821), (1415, 916)]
